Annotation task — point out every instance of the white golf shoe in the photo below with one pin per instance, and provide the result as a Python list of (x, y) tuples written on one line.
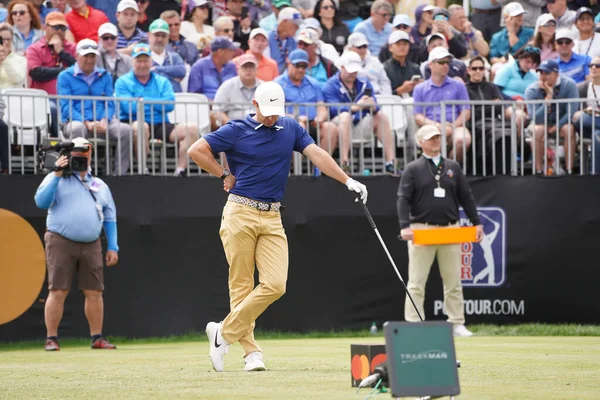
[(462, 331), (254, 362), (218, 346)]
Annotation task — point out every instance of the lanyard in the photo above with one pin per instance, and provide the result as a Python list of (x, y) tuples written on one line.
[(98, 206), (589, 45), (283, 50), (440, 169)]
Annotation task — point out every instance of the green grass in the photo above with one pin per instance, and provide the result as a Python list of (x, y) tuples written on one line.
[(493, 367)]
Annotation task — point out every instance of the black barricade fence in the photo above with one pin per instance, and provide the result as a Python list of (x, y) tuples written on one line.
[(172, 274)]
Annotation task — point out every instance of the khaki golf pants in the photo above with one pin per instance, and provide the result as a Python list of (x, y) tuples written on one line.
[(252, 237), (420, 259)]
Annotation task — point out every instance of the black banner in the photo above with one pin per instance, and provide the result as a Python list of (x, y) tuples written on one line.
[(172, 273)]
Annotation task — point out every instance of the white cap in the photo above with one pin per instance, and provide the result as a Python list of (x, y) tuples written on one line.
[(270, 99), (544, 19), (357, 39), (428, 8), (426, 132), (513, 9), (107, 28), (402, 19), (397, 36), (563, 33), (81, 142), (350, 61), (308, 36), (259, 31), (87, 46), (290, 14), (125, 4), (439, 53)]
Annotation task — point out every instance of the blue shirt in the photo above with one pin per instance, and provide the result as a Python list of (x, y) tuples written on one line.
[(280, 49), (259, 157), (89, 79), (576, 68), (309, 91), (512, 80), (429, 92), (205, 78), (319, 72), (376, 39), (72, 210), (565, 88), (500, 46)]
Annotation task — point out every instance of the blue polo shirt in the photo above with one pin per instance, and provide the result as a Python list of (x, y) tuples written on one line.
[(500, 46), (512, 80), (376, 39), (576, 68), (280, 49), (259, 157), (206, 79), (309, 91), (429, 92)]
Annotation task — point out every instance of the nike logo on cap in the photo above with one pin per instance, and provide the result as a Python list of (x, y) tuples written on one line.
[(274, 99)]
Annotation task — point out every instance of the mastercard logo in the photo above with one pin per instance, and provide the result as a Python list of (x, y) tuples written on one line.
[(361, 368)]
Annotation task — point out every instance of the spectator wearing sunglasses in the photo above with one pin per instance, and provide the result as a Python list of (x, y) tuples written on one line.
[(165, 62), (333, 30), (84, 20), (458, 69), (589, 117), (13, 67), (587, 42), (514, 77), (223, 27), (25, 20), (110, 59), (571, 64), (194, 28), (177, 42), (476, 44), (543, 37), (513, 37), (372, 68), (377, 28), (129, 33), (402, 22), (270, 21)]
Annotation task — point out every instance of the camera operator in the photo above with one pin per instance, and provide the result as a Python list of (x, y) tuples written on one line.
[(78, 205)]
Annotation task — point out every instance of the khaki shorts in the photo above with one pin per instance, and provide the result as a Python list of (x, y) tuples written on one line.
[(363, 130), (64, 257)]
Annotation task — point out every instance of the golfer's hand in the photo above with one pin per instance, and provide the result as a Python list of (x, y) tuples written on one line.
[(479, 233), (355, 186), (229, 183), (407, 234), (112, 257)]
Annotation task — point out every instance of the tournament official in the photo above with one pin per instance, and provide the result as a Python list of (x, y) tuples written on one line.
[(78, 205), (430, 192), (259, 151)]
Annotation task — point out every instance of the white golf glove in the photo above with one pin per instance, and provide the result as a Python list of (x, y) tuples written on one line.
[(356, 186)]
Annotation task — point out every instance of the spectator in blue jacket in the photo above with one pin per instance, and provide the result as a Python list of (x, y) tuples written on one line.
[(97, 117), (164, 62), (144, 83), (552, 87), (362, 117)]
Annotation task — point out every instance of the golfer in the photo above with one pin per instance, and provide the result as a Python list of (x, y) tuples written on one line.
[(259, 152), (431, 189)]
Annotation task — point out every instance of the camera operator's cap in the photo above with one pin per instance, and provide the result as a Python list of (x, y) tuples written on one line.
[(434, 36), (290, 14), (513, 9), (270, 99), (308, 36), (141, 49), (80, 142), (223, 42), (281, 3), (108, 29), (258, 31), (402, 19), (87, 46), (159, 26), (125, 4), (298, 56), (548, 66), (56, 18), (246, 59), (397, 36), (351, 61), (439, 53), (583, 10), (563, 33), (426, 132), (358, 39), (196, 3)]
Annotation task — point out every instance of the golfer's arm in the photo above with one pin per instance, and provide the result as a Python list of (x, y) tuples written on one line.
[(325, 163), (202, 155)]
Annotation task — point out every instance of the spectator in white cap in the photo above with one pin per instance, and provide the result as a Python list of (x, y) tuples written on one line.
[(476, 44), (441, 88), (587, 42), (164, 62), (92, 118), (372, 68), (177, 42), (110, 59), (458, 69), (377, 27), (270, 21), (129, 34), (333, 30), (281, 38), (403, 74), (327, 50), (565, 18), (533, 9), (513, 37), (194, 27), (319, 67), (257, 43), (363, 116), (571, 64), (403, 23), (543, 37)]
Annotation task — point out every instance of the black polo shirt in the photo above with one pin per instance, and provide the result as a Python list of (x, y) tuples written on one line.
[(399, 73)]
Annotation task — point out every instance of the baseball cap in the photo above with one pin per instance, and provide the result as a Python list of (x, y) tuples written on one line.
[(87, 46), (245, 59), (439, 53), (308, 36), (158, 26), (441, 11), (141, 49), (290, 14), (298, 56), (259, 31), (583, 10), (548, 66), (125, 4), (544, 19), (433, 36), (428, 8), (281, 3), (350, 61), (397, 36), (55, 18), (312, 23), (563, 34), (513, 9), (107, 28), (357, 39), (223, 42), (80, 141), (402, 19), (426, 132), (270, 99), (195, 3)]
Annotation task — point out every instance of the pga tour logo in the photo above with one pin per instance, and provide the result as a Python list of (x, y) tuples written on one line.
[(484, 264)]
